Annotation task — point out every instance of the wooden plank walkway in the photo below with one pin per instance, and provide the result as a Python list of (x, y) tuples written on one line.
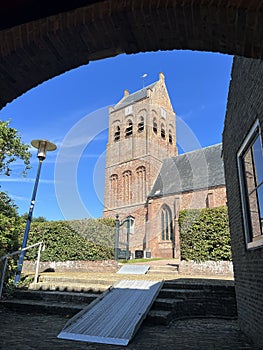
[(115, 318)]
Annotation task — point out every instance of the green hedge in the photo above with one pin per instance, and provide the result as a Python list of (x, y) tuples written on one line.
[(64, 240), (98, 231), (204, 234), (10, 229)]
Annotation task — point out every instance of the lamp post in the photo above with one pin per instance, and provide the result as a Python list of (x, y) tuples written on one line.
[(117, 232), (130, 229), (43, 146)]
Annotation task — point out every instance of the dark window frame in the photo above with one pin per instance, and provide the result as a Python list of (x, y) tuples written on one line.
[(250, 187)]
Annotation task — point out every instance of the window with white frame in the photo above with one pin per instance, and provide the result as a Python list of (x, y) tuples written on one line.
[(250, 163)]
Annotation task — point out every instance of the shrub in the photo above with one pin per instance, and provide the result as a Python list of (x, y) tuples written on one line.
[(63, 242), (204, 234), (10, 229), (98, 231)]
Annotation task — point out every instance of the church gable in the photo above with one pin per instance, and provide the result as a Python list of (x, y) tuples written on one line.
[(156, 92), (159, 96)]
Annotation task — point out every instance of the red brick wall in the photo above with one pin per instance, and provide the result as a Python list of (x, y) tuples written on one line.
[(55, 44), (245, 105), (187, 200)]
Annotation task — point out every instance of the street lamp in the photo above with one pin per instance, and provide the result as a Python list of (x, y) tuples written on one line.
[(43, 146)]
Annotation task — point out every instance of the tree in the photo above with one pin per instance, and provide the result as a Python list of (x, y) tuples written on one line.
[(12, 148), (7, 206)]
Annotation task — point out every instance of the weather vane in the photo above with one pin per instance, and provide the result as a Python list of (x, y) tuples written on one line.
[(143, 77)]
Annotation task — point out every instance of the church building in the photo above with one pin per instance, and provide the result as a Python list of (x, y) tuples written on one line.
[(146, 178)]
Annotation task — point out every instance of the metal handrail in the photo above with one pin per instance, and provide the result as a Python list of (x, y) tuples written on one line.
[(7, 256)]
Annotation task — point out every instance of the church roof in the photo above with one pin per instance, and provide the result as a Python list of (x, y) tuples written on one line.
[(190, 171), (131, 98)]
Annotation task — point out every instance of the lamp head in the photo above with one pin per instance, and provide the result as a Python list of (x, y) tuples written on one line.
[(43, 146)]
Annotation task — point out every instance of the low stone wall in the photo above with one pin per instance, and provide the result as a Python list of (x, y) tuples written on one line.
[(207, 268), (72, 266), (190, 268)]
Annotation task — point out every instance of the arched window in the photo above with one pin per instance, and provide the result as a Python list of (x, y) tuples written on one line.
[(141, 183), (162, 131), (154, 126), (117, 134), (128, 131), (141, 125), (114, 190), (167, 224), (170, 137), (127, 186)]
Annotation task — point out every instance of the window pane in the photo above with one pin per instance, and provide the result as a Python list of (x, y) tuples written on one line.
[(254, 214), (252, 201), (260, 202), (162, 225), (166, 224), (258, 159), (249, 171), (171, 230)]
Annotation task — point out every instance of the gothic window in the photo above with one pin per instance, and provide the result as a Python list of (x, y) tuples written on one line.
[(114, 190), (154, 126), (141, 183), (170, 137), (250, 162), (128, 131), (141, 125), (117, 134), (127, 186), (167, 224), (162, 131)]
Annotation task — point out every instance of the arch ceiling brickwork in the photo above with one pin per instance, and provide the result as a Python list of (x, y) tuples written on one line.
[(38, 43)]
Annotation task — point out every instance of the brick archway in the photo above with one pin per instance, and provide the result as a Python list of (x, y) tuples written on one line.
[(46, 41)]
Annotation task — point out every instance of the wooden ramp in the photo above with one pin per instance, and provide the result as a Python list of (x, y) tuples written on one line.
[(134, 269), (114, 318)]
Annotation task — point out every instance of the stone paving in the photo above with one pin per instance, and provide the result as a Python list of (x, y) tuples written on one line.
[(23, 331)]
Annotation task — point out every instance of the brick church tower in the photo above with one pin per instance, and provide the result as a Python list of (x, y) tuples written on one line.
[(142, 133)]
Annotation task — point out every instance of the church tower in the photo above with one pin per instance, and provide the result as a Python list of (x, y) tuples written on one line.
[(142, 133)]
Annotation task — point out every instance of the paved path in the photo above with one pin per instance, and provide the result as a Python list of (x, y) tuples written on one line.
[(21, 331)]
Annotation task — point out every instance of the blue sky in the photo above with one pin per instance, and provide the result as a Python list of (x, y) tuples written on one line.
[(71, 111)]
